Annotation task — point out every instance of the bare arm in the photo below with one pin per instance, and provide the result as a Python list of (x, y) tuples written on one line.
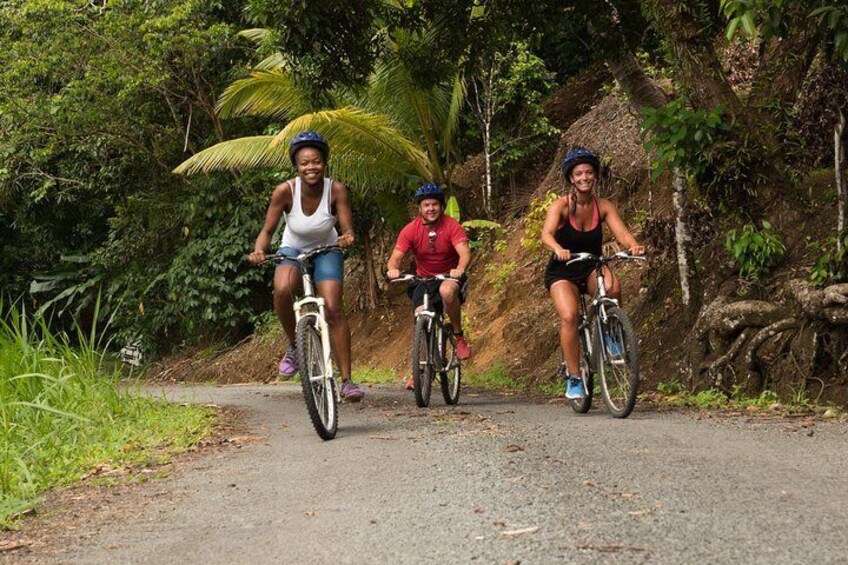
[(618, 228), (464, 251), (393, 266), (555, 213), (280, 200), (344, 214)]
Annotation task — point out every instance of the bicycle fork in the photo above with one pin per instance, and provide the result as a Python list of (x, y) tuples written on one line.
[(323, 330)]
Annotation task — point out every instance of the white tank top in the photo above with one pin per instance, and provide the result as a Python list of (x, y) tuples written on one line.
[(306, 233)]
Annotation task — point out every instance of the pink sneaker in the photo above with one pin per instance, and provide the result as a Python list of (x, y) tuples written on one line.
[(352, 391), (288, 364)]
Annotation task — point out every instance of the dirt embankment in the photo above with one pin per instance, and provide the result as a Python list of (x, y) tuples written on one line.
[(509, 316)]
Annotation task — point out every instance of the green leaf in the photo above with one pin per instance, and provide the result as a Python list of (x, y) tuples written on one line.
[(452, 208)]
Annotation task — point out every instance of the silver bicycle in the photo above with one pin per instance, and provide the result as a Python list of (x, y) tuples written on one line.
[(433, 349), (608, 345)]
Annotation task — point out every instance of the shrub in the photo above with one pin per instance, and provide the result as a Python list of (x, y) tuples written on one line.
[(755, 251)]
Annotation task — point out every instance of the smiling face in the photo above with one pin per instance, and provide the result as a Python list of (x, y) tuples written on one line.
[(310, 165), (430, 210), (583, 177)]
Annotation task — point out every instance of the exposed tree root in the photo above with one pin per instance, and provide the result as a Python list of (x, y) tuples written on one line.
[(750, 343)]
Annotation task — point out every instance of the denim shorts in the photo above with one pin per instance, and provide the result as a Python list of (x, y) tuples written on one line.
[(327, 266)]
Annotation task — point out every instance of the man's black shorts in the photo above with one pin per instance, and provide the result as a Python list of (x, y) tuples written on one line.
[(416, 293)]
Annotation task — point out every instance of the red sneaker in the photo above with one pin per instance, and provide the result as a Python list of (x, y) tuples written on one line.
[(462, 349)]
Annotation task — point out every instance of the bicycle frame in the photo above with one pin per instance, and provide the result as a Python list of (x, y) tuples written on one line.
[(312, 305)]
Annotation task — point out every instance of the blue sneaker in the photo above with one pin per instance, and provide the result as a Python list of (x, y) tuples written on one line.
[(613, 347), (574, 388)]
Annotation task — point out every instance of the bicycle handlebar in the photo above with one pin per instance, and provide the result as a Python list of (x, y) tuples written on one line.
[(408, 277), (303, 256), (604, 259)]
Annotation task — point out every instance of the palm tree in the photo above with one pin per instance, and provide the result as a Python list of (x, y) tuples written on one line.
[(389, 133)]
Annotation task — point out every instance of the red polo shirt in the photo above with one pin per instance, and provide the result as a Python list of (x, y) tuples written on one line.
[(436, 256)]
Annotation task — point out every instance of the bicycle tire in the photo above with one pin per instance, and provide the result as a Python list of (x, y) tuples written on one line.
[(582, 405), (619, 373), (422, 365), (319, 391), (451, 374)]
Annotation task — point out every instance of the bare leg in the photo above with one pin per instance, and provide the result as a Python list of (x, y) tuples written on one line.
[(286, 283), (449, 291), (611, 282), (331, 292), (566, 299)]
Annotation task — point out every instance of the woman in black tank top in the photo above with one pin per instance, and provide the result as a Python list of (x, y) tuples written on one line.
[(574, 224)]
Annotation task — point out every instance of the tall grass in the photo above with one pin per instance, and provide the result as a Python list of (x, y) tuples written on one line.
[(63, 411)]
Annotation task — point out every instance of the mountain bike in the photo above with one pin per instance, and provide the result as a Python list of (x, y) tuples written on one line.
[(320, 391), (608, 345), (433, 349)]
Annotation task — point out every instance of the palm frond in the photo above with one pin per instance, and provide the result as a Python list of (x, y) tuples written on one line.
[(366, 148), (270, 94), (257, 34), (236, 154), (454, 113), (273, 62)]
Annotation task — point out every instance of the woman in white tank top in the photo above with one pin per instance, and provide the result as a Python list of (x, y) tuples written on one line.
[(312, 205)]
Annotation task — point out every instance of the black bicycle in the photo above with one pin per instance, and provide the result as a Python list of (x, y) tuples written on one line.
[(433, 349), (608, 345)]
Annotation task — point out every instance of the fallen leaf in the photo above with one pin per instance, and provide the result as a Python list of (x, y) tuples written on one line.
[(478, 510), (513, 448), (588, 483), (309, 513)]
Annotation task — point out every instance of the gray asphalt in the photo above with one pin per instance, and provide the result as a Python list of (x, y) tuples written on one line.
[(498, 479)]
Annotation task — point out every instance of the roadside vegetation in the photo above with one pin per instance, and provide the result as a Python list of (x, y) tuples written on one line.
[(64, 414)]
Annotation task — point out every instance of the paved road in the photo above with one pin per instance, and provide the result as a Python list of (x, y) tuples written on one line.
[(499, 479)]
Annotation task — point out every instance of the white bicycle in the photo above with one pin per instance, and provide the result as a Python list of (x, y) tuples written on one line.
[(317, 377)]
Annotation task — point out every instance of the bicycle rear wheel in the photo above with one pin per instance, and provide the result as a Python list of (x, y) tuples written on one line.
[(422, 365), (319, 388), (618, 363), (451, 374)]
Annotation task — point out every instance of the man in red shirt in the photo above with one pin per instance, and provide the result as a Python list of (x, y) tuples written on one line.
[(440, 247)]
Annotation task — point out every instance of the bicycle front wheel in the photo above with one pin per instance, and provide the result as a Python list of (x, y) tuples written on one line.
[(451, 375), (618, 362), (422, 365), (582, 405), (319, 388)]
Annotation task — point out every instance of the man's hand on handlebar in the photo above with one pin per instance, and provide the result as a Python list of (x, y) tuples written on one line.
[(456, 273), (637, 250), (392, 274)]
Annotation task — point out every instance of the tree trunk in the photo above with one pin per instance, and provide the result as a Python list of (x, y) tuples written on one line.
[(699, 71), (639, 88), (784, 65), (838, 160), (690, 285), (643, 93), (487, 151), (371, 288)]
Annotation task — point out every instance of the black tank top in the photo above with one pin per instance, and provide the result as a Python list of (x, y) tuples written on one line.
[(577, 241)]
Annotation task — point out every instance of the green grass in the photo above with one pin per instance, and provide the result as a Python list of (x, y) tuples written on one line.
[(496, 376), (63, 412), (674, 393), (370, 375)]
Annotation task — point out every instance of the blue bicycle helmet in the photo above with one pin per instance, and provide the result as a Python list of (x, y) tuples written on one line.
[(429, 190), (308, 139), (579, 156)]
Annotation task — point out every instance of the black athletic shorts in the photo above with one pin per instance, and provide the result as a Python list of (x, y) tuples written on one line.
[(416, 293)]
